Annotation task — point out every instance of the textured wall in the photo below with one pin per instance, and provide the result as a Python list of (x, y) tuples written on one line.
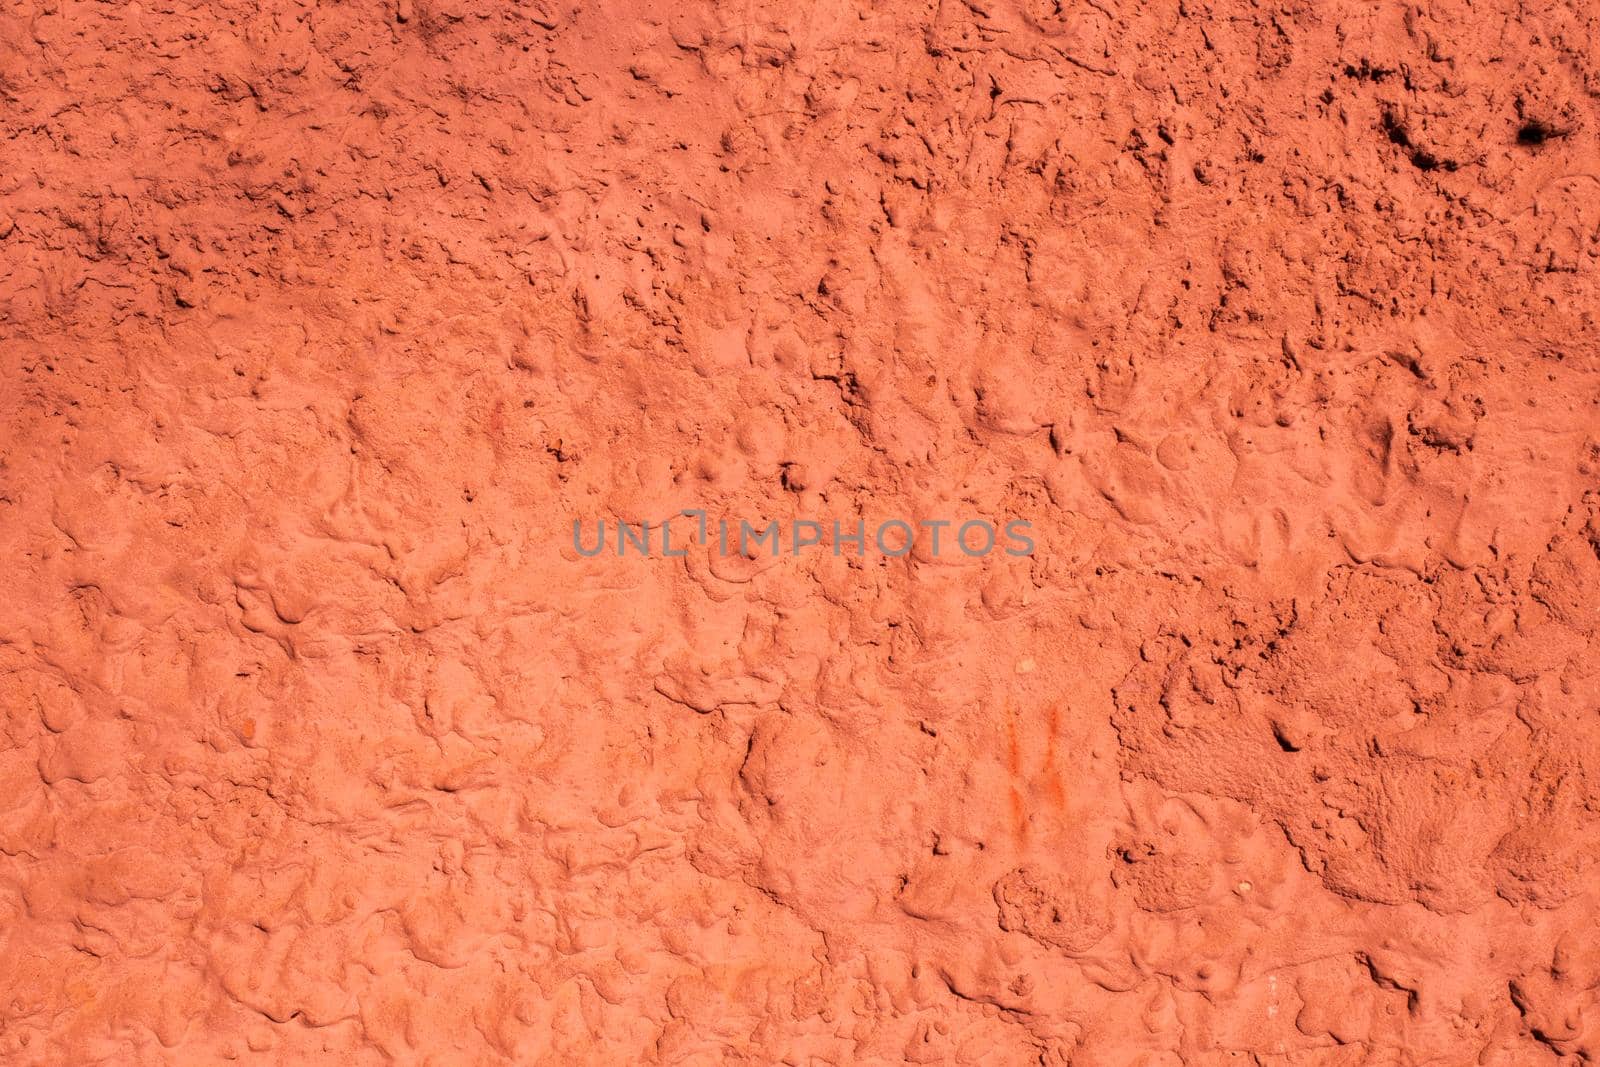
[(320, 324)]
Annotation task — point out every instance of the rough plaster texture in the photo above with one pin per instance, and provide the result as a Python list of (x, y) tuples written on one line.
[(320, 323)]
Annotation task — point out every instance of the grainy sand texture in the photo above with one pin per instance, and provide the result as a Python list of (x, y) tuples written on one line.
[(324, 326)]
